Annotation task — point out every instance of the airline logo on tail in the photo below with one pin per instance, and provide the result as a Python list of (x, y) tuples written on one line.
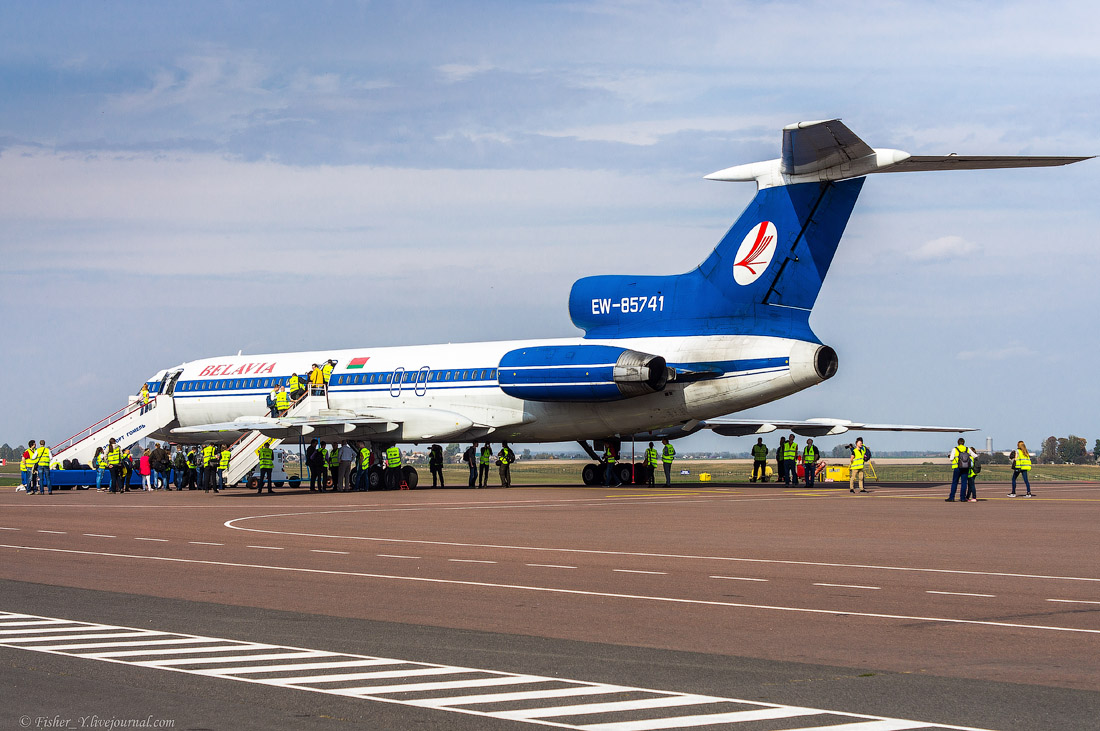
[(755, 253)]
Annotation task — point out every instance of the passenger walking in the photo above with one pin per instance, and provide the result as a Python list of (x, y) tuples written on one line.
[(267, 464), (470, 458), (790, 461), (127, 469), (810, 456), (650, 465), (326, 370), (483, 465), (42, 459), (272, 408), (759, 461), (780, 464), (1021, 465), (100, 469), (316, 380), (505, 458), (435, 464), (311, 461), (143, 396), (206, 474), (297, 387), (179, 467), (972, 494), (855, 466), (282, 401), (159, 464), (962, 458), (146, 472), (667, 455)]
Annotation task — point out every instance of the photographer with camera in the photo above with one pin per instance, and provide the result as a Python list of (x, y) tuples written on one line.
[(860, 456)]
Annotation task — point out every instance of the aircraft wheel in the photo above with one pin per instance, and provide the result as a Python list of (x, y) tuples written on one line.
[(590, 475), (411, 477), (374, 478), (625, 474), (295, 483)]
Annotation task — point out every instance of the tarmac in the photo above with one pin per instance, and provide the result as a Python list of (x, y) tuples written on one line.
[(739, 606)]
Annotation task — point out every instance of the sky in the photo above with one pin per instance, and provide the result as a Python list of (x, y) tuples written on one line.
[(184, 180)]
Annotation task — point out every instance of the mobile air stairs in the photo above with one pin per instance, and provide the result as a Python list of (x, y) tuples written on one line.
[(243, 458), (126, 426)]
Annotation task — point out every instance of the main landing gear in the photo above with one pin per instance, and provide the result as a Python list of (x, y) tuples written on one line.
[(622, 473)]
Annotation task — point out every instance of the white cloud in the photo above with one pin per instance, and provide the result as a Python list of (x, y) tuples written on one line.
[(456, 72), (988, 354), (650, 132), (945, 248)]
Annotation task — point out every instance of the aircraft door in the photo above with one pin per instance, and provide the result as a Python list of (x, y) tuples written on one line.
[(168, 387), (422, 381), (395, 382)]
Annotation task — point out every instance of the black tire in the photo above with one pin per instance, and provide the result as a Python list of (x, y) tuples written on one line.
[(591, 475), (412, 479), (294, 483), (641, 475), (375, 480), (624, 473), (392, 479), (254, 483), (278, 483)]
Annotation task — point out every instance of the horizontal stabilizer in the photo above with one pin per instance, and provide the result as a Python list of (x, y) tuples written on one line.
[(814, 427), (925, 163)]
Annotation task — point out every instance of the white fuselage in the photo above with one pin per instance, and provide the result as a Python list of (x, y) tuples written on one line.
[(461, 379)]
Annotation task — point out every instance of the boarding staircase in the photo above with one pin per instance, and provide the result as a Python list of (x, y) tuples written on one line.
[(242, 455), (127, 425)]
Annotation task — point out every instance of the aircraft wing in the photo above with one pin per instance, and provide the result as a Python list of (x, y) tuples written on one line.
[(924, 163), (407, 424), (813, 427)]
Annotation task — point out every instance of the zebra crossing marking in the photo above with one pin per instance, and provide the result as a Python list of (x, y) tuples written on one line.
[(533, 699)]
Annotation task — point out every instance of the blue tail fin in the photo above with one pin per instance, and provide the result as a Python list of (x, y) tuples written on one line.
[(762, 279)]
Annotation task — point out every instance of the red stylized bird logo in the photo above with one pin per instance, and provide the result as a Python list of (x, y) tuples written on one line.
[(758, 247)]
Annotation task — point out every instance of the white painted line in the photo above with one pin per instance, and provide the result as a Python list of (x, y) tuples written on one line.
[(586, 551), (961, 593), (468, 560), (558, 590), (392, 555), (160, 540), (105, 633), (764, 714), (204, 543), (670, 701), (44, 630), (9, 529), (737, 578), (269, 548), (99, 535), (321, 550), (849, 586), (549, 566), (58, 532), (540, 693), (1073, 601), (635, 571), (116, 643)]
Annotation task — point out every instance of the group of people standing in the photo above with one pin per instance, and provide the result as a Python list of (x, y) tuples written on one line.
[(34, 468), (786, 461), (478, 461), (346, 467), (965, 466)]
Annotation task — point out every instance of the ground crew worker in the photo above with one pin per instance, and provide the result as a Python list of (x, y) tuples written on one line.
[(650, 464), (1021, 465), (780, 465), (26, 468), (363, 481), (809, 462), (193, 464), (859, 458), (334, 465), (127, 470), (790, 461), (483, 465), (206, 476), (282, 401), (223, 466), (962, 458), (435, 464), (326, 370), (114, 464), (42, 459), (393, 467), (609, 462), (267, 463), (297, 387), (505, 458), (470, 458), (99, 464), (759, 460), (667, 455)]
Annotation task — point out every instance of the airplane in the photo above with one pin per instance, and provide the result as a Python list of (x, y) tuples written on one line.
[(660, 357)]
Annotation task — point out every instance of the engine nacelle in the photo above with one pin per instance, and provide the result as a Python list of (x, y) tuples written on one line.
[(580, 373)]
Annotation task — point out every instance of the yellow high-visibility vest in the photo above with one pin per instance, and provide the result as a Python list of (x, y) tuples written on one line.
[(267, 458), (43, 459), (668, 454), (364, 458), (858, 458), (393, 457), (223, 463), (1023, 460)]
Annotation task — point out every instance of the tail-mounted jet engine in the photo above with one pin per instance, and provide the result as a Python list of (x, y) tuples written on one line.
[(580, 373)]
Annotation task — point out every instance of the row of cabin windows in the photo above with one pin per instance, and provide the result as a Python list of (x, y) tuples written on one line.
[(348, 379), (413, 377)]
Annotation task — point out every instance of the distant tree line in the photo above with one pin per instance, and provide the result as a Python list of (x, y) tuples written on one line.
[(1068, 450)]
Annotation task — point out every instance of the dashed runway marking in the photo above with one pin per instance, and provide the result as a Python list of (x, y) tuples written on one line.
[(849, 586), (393, 555), (468, 560), (962, 593), (549, 566), (534, 699), (269, 548), (637, 571), (321, 550), (58, 532), (99, 535), (158, 540), (1073, 601), (737, 578), (204, 543)]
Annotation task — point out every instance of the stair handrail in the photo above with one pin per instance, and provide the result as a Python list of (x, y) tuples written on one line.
[(106, 422)]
